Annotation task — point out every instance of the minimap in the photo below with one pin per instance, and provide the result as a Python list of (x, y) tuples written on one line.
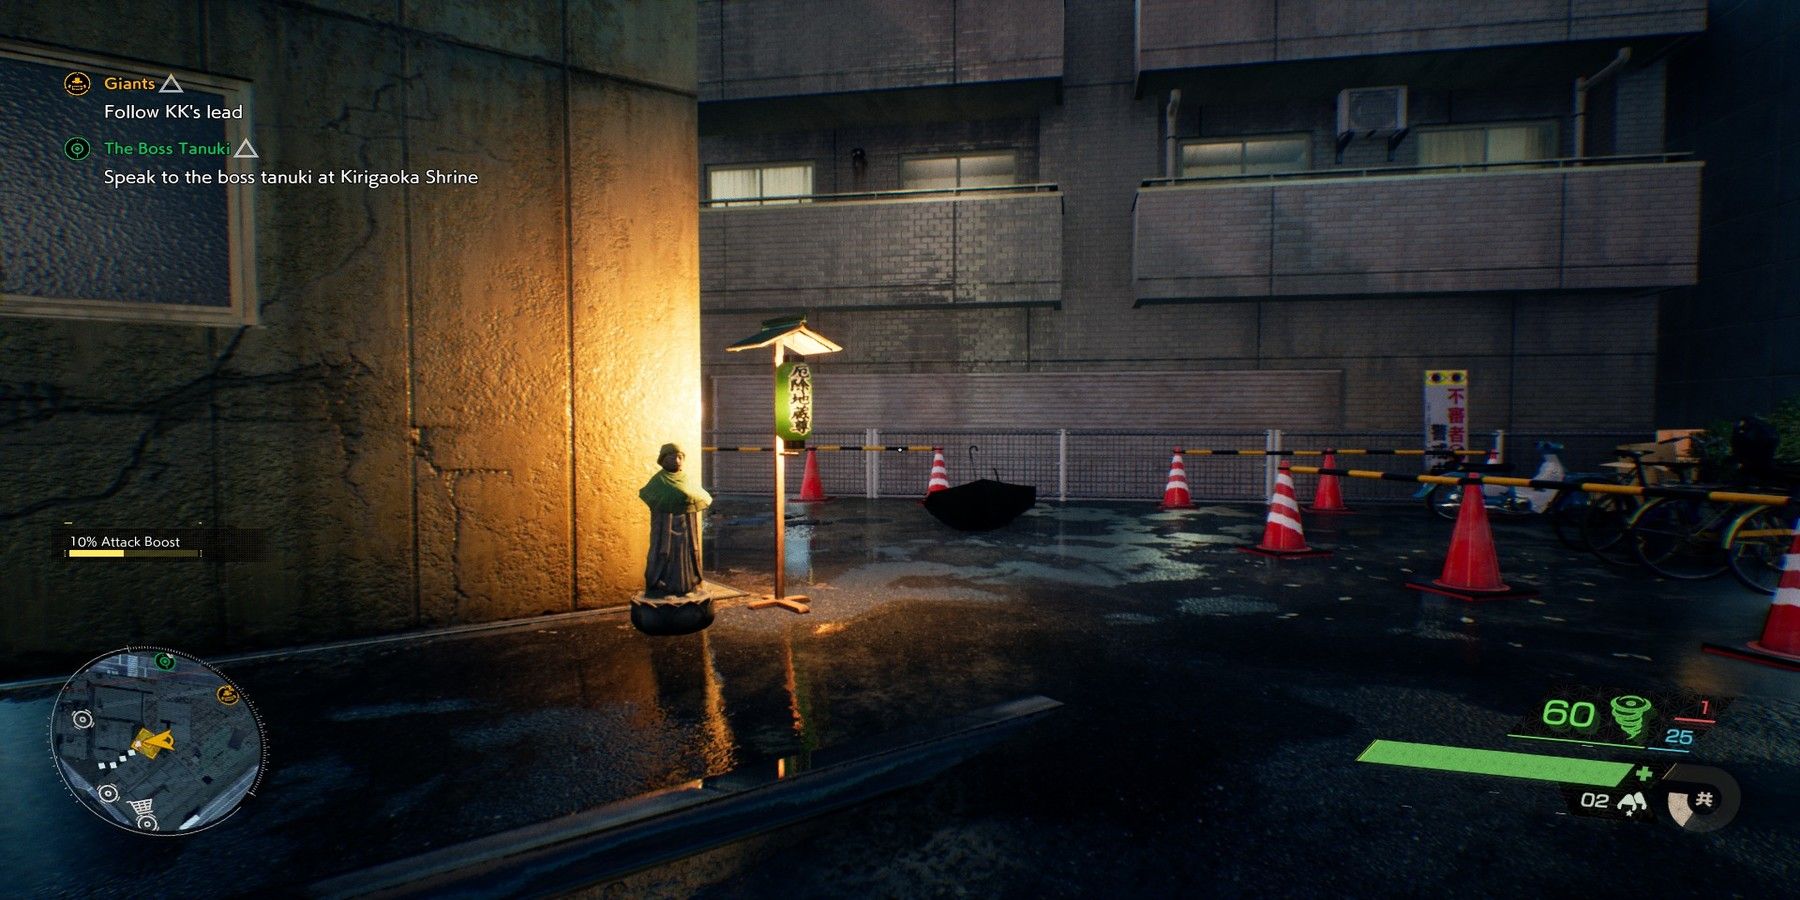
[(157, 742)]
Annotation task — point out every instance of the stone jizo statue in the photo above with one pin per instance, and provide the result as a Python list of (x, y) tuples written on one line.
[(673, 567)]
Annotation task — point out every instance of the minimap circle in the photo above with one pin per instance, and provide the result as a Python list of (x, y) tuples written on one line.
[(156, 742)]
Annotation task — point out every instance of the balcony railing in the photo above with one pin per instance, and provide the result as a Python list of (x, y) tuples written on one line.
[(1180, 34), (1438, 169), (883, 249), (787, 48), (908, 194), (1562, 224)]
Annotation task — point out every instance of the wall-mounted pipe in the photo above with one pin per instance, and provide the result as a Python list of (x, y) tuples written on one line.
[(1582, 84), (1171, 114)]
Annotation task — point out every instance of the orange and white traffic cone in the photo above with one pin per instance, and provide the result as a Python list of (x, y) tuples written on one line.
[(1780, 643), (1175, 495), (1472, 570), (1328, 497), (1493, 459), (812, 490), (940, 476), (1283, 538)]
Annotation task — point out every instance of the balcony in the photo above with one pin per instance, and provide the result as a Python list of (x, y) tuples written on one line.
[(775, 48), (1615, 223), (1180, 34), (896, 249)]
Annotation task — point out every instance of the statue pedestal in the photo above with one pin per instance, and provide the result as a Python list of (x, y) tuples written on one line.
[(663, 616), (795, 603)]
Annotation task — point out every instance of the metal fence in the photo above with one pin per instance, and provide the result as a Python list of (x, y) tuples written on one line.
[(1073, 464)]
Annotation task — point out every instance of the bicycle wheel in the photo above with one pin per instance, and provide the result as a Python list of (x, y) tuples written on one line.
[(1681, 538), (1603, 528), (1756, 547), (1444, 499), (1566, 511)]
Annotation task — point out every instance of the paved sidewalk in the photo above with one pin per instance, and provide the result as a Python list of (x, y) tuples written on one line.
[(1215, 703)]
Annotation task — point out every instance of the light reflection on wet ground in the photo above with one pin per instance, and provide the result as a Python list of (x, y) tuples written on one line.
[(1215, 701)]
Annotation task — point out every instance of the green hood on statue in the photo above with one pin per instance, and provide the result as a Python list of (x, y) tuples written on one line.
[(671, 492)]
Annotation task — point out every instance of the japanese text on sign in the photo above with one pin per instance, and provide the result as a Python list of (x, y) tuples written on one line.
[(793, 401), (1446, 409)]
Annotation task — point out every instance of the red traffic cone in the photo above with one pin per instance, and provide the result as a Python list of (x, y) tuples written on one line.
[(1328, 497), (1175, 495), (811, 489), (1780, 644), (940, 476), (1283, 538), (1493, 459), (1472, 570)]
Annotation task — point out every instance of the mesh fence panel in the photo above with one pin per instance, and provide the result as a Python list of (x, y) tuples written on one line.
[(1135, 466), (1021, 457), (1362, 490), (1117, 465)]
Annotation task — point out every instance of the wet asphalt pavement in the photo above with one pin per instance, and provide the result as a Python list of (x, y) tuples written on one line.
[(1215, 704)]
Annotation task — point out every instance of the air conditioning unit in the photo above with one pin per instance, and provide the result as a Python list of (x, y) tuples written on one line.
[(1371, 111)]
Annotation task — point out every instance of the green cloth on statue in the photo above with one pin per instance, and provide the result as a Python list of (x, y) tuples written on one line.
[(670, 492)]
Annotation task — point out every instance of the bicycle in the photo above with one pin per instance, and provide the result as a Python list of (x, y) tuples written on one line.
[(1756, 546), (1682, 538), (1694, 538), (1608, 516)]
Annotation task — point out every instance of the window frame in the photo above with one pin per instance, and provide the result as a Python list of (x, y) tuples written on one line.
[(761, 199), (1304, 137), (1554, 124), (240, 212), (959, 156)]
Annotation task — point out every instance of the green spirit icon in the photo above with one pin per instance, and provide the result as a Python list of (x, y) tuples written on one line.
[(166, 662), (1629, 711)]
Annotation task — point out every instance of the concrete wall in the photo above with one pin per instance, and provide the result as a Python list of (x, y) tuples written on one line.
[(453, 393), (827, 46), (1171, 401), (1729, 344), (1546, 359), (1604, 227), (1175, 34)]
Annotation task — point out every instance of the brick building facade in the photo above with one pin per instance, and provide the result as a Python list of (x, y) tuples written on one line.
[(1368, 261)]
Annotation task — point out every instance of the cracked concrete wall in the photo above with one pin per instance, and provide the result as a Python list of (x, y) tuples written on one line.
[(454, 392)]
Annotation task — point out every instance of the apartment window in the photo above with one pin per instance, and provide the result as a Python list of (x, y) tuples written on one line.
[(753, 184), (936, 173), (181, 252), (1513, 142), (1211, 158)]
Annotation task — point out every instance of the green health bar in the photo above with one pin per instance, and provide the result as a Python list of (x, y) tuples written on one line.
[(1502, 763)]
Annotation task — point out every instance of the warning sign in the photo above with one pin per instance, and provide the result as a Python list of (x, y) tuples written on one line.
[(1447, 409)]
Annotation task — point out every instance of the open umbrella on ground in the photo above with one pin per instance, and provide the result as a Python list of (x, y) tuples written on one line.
[(982, 505)]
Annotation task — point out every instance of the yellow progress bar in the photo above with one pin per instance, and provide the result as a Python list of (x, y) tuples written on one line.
[(136, 553)]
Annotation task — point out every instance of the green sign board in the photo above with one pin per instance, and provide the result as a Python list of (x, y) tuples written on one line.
[(793, 401)]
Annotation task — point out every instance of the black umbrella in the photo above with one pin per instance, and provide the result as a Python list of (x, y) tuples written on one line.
[(982, 505)]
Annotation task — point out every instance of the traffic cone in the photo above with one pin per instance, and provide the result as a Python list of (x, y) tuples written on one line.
[(1283, 538), (1175, 495), (811, 489), (1493, 459), (1780, 644), (1472, 570), (940, 476), (1328, 496)]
